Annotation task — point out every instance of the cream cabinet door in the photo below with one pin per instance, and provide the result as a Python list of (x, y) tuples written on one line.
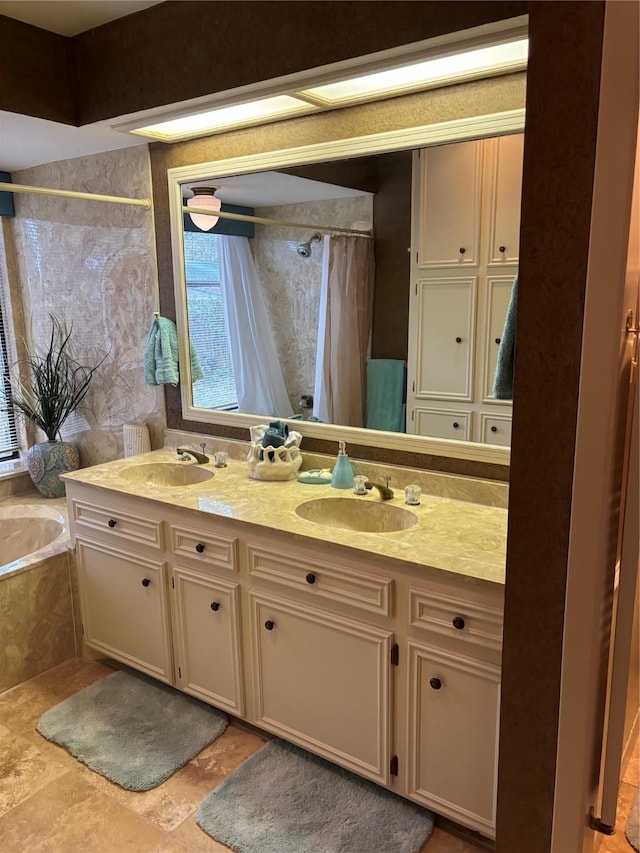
[(453, 704), (445, 337), (323, 681), (124, 607), (207, 638), (504, 178), (449, 205), (495, 429)]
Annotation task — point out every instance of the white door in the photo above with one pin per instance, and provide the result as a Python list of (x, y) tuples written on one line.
[(504, 191)]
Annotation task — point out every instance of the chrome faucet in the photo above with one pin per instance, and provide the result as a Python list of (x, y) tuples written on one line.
[(385, 492), (184, 453)]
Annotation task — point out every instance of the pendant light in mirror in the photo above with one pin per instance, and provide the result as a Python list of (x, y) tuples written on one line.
[(205, 199)]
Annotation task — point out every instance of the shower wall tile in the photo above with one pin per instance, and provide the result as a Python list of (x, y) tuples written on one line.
[(292, 283), (36, 621), (93, 266)]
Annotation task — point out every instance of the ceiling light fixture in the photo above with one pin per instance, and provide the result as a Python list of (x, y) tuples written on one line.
[(205, 199)]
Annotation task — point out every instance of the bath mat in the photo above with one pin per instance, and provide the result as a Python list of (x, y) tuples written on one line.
[(632, 829), (285, 800), (135, 731)]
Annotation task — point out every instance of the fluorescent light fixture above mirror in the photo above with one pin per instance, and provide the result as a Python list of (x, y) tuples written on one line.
[(226, 118), (420, 66), (441, 71)]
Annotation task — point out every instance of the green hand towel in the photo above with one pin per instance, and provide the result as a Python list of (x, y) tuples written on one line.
[(161, 355)]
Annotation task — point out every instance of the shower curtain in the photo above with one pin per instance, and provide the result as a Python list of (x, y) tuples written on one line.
[(259, 382), (344, 330)]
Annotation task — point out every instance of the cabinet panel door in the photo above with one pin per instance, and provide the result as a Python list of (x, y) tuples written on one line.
[(124, 607), (498, 295), (207, 614), (449, 213), (453, 735), (323, 682), (446, 336), (505, 177)]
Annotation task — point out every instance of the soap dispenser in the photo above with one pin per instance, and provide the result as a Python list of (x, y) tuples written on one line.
[(342, 476)]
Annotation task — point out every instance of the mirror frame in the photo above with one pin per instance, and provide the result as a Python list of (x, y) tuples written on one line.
[(474, 127)]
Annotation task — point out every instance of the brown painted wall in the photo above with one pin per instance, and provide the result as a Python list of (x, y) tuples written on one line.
[(559, 156), (186, 49), (35, 74)]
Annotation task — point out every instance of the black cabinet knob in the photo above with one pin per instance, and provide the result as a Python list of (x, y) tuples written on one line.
[(112, 522), (462, 250), (494, 429), (215, 605), (145, 582), (435, 683), (311, 578), (458, 622), (458, 340), (200, 548), (456, 425), (497, 340), (269, 625), (502, 249)]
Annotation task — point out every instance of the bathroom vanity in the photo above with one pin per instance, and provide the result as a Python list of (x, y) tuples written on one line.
[(378, 651)]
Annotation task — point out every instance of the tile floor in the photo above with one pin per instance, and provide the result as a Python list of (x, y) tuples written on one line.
[(50, 802)]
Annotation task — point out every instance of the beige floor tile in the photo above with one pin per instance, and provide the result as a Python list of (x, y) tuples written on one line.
[(190, 834), (23, 770), (618, 843), (442, 842)]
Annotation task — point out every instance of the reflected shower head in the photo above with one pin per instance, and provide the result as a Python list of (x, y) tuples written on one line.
[(304, 249)]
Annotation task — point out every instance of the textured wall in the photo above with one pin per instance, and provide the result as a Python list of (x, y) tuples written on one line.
[(93, 266), (292, 283)]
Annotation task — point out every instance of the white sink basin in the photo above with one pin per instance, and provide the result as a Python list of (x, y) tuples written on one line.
[(366, 516), (166, 474)]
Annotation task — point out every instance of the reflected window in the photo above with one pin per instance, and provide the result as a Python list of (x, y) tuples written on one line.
[(207, 326)]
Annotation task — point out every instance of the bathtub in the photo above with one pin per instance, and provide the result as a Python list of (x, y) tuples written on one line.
[(37, 626), (30, 532)]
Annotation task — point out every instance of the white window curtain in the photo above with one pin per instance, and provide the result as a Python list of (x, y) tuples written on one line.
[(258, 375), (344, 330)]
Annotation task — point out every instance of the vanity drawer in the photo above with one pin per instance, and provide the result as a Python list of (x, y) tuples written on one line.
[(204, 549), (112, 525), (329, 581), (439, 423), (462, 619)]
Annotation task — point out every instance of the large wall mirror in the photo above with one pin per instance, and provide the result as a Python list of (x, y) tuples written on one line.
[(349, 205)]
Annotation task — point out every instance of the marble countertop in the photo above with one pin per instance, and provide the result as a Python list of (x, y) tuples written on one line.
[(453, 535)]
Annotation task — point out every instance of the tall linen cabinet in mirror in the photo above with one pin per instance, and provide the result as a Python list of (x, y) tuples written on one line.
[(466, 220)]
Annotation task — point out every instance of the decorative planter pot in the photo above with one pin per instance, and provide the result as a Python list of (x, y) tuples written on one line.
[(45, 463)]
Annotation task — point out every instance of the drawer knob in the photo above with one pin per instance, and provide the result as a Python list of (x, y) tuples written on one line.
[(269, 625), (200, 548), (112, 522), (456, 425), (497, 340), (435, 683), (146, 582), (494, 429), (502, 249), (311, 578), (215, 605), (462, 250), (458, 340), (458, 622)]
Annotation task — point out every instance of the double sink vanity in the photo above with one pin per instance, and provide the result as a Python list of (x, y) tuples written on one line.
[(365, 631)]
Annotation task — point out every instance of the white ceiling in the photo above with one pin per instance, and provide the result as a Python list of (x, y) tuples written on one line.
[(266, 189), (70, 17)]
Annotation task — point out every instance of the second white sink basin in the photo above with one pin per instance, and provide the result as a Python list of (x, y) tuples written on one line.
[(168, 474), (366, 516)]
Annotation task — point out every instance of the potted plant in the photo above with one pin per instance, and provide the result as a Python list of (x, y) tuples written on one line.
[(48, 387)]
